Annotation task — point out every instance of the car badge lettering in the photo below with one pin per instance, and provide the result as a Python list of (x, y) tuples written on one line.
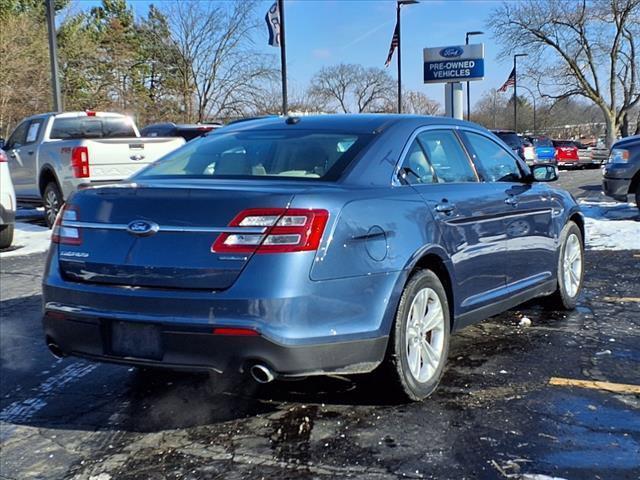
[(142, 228), (451, 52)]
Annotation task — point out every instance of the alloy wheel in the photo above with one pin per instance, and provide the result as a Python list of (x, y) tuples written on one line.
[(424, 335), (572, 265), (51, 206)]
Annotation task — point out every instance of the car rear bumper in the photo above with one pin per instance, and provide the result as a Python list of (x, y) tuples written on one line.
[(303, 326), (617, 188), (197, 348)]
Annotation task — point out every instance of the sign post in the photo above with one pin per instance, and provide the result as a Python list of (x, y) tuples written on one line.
[(452, 65)]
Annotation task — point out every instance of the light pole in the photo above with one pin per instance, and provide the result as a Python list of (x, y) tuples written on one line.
[(53, 56), (466, 42), (398, 5), (533, 97), (515, 89)]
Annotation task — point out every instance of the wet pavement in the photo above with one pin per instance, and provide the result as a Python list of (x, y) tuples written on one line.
[(495, 414)]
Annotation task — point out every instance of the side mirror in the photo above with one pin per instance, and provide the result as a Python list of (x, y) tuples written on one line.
[(544, 173)]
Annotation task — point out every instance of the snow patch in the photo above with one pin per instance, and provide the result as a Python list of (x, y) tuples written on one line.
[(28, 239), (611, 225)]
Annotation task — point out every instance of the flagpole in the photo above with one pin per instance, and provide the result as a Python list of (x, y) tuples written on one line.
[(283, 58)]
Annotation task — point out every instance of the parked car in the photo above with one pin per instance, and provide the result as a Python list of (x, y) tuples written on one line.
[(307, 246), (513, 140), (621, 173), (545, 151), (186, 131), (7, 203), (566, 153), (52, 154)]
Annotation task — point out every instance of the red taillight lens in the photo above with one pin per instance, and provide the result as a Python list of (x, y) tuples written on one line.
[(80, 162), (66, 234), (283, 230), (3, 157)]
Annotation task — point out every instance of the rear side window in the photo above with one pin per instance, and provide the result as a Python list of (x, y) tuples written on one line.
[(262, 154), (92, 127), (446, 156), (493, 161), (417, 169)]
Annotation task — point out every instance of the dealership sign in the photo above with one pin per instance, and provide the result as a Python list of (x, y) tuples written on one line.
[(454, 64)]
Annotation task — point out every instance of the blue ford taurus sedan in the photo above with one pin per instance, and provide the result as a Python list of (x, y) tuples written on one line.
[(289, 247)]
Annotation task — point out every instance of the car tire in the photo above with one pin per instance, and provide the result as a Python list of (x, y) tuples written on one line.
[(6, 236), (419, 341), (570, 270), (53, 202)]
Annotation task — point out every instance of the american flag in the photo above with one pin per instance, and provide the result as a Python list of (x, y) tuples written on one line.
[(395, 40), (511, 81)]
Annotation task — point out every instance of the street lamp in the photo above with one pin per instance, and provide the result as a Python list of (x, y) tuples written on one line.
[(466, 42), (398, 5), (533, 97), (515, 89)]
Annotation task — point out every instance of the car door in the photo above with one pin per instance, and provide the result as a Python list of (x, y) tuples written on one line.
[(13, 147), (466, 211), (528, 222)]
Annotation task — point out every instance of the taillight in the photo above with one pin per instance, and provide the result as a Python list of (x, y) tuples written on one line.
[(66, 234), (283, 230), (3, 157), (80, 162)]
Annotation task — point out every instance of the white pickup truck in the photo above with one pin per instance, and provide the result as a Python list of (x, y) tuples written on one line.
[(52, 154)]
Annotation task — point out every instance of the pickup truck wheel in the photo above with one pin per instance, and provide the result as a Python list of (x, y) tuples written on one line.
[(419, 342), (6, 236), (52, 203)]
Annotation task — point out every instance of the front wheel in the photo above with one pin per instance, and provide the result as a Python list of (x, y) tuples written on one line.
[(419, 342), (570, 268), (52, 203)]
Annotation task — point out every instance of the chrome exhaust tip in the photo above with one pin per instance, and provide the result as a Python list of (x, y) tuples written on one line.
[(261, 373), (55, 350)]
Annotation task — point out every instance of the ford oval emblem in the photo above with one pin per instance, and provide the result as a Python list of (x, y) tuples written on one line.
[(451, 52), (142, 228)]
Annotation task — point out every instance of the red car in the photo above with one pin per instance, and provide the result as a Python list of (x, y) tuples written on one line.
[(566, 153)]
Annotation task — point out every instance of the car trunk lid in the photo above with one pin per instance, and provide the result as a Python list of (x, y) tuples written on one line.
[(161, 235)]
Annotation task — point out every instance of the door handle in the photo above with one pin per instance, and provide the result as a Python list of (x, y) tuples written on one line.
[(445, 208), (511, 201), (30, 152)]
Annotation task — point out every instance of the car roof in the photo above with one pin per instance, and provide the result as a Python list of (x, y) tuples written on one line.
[(356, 123), (628, 141)]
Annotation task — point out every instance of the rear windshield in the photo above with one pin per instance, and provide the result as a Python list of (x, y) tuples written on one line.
[(511, 139), (542, 142), (92, 127), (563, 143), (262, 154)]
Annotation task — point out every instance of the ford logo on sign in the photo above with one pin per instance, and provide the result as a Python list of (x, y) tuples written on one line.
[(451, 52), (142, 228)]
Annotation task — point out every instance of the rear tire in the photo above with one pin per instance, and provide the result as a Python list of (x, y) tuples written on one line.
[(53, 202), (570, 270), (6, 236), (419, 342)]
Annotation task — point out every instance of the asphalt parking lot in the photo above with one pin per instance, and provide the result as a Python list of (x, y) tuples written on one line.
[(560, 398)]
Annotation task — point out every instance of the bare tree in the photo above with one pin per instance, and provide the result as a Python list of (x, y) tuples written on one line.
[(584, 48), (418, 103), (351, 87), (217, 65)]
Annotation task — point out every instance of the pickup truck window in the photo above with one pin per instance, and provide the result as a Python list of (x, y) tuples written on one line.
[(91, 127), (17, 138), (34, 130)]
